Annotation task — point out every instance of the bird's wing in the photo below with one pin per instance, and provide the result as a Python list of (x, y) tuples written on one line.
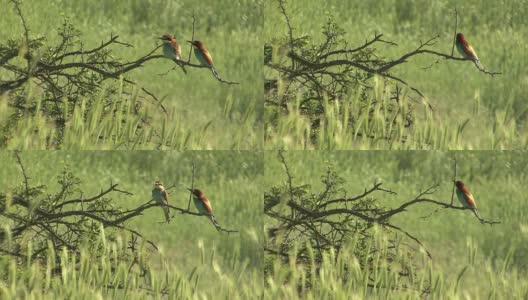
[(215, 223), (469, 197), (177, 49), (469, 51), (165, 195), (174, 44), (470, 200), (208, 57), (207, 206)]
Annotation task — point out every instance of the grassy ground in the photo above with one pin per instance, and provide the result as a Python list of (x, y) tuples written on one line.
[(495, 255), (494, 107), (202, 112), (227, 265)]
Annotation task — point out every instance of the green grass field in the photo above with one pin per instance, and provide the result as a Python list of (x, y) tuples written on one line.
[(495, 256), (202, 112), (471, 109), (194, 259)]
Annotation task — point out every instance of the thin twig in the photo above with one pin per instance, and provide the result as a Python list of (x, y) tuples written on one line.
[(26, 30), (192, 186), (375, 187), (289, 177), (155, 99), (456, 28), (377, 38), (192, 39), (454, 179), (290, 29), (24, 174), (215, 74)]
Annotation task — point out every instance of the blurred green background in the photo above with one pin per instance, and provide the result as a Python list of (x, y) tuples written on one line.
[(202, 111), (495, 108), (232, 180), (497, 180)]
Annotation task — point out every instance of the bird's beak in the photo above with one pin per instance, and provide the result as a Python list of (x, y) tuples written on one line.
[(190, 42), (189, 189)]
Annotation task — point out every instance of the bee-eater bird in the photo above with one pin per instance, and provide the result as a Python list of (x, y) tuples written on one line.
[(172, 50), (466, 50), (466, 198), (162, 197), (204, 206), (203, 56)]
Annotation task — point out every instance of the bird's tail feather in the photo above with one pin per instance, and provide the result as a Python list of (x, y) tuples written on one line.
[(167, 213), (215, 74), (478, 215), (181, 65), (479, 66), (213, 220)]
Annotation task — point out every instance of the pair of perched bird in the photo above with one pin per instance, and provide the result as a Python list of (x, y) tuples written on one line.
[(200, 201), (172, 50)]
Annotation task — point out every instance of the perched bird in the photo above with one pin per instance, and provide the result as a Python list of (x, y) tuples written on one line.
[(162, 197), (466, 50), (172, 50), (466, 198), (203, 206), (203, 56)]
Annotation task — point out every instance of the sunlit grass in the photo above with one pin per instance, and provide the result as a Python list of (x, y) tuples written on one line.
[(84, 276), (341, 277)]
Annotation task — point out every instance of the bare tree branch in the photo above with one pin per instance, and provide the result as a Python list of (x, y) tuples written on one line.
[(322, 222)]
